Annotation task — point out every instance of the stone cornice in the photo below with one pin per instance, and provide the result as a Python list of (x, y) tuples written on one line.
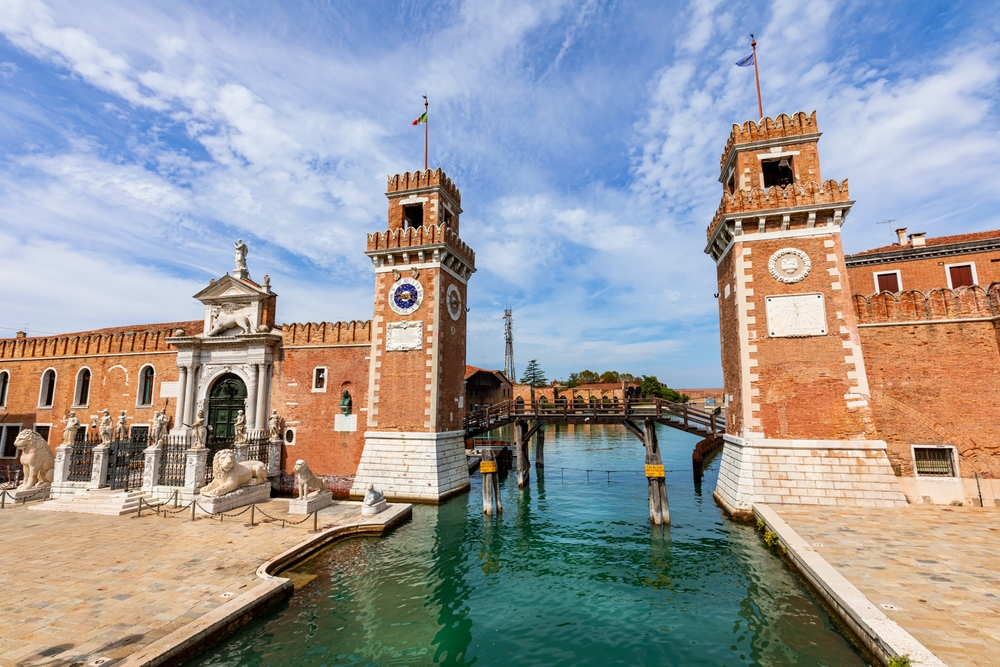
[(911, 253)]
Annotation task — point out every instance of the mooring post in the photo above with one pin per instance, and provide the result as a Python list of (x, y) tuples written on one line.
[(659, 509), (540, 448), (523, 465), (491, 481)]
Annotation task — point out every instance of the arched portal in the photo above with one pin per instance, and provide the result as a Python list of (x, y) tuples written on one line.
[(227, 396)]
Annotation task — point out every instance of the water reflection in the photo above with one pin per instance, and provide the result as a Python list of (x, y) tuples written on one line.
[(572, 573)]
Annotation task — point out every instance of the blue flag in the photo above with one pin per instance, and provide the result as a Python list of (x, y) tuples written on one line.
[(745, 62)]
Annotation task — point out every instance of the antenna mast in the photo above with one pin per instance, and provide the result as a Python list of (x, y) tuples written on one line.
[(508, 336)]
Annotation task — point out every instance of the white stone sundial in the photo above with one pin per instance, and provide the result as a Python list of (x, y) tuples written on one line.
[(795, 315)]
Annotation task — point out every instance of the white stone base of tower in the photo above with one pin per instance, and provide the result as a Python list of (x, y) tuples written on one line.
[(805, 472), (420, 467)]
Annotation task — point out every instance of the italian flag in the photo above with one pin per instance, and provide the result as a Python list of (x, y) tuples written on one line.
[(421, 120)]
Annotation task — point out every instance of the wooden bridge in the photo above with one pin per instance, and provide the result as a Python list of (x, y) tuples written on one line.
[(707, 424)]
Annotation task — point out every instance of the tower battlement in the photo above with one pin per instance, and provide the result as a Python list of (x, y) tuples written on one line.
[(416, 240), (424, 179), (781, 126)]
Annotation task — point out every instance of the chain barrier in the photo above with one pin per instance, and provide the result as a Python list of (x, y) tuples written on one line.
[(193, 506), (4, 494)]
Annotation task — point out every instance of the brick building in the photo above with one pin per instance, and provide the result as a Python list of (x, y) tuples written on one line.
[(848, 380), (484, 388), (402, 370)]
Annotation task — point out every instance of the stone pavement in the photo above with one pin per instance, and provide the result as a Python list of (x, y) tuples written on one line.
[(934, 570), (78, 587)]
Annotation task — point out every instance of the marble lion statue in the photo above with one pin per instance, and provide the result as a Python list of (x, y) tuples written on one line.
[(230, 474), (37, 460), (306, 479)]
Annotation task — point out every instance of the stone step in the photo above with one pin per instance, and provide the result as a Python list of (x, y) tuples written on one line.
[(100, 501)]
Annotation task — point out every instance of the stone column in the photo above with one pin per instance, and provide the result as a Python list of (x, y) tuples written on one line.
[(99, 471), (181, 393), (262, 393), (194, 470), (274, 458), (151, 472), (192, 380), (251, 413), (241, 451), (60, 474)]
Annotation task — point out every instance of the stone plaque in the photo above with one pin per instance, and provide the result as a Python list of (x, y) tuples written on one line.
[(345, 422), (401, 336), (789, 265), (795, 315), (170, 389)]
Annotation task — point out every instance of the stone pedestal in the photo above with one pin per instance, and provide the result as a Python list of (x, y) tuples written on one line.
[(99, 469), (27, 495), (258, 493), (241, 451), (314, 501), (61, 471), (853, 473), (274, 458), (194, 469), (423, 467), (369, 510), (151, 471)]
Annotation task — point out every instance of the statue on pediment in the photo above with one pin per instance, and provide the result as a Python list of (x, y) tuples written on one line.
[(240, 255)]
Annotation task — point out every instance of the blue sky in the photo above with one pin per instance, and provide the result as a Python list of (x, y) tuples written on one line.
[(141, 139)]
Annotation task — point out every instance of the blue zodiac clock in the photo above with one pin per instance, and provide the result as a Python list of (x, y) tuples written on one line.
[(405, 296)]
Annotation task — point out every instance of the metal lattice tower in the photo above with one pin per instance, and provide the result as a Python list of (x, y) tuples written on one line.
[(508, 336)]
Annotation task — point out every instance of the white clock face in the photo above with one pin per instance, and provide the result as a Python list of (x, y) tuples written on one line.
[(454, 301), (405, 296), (795, 315)]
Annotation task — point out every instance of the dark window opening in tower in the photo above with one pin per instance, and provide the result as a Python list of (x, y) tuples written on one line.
[(777, 172), (446, 216), (731, 184), (413, 216)]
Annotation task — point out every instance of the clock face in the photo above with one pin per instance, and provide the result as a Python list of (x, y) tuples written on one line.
[(454, 301), (405, 296)]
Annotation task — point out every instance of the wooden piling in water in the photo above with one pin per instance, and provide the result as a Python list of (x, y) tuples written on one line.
[(540, 448), (491, 481), (521, 442), (659, 508)]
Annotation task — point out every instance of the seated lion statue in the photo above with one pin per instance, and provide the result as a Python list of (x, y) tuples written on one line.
[(37, 460), (228, 474)]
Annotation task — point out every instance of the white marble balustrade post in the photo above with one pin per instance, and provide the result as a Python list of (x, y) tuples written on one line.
[(262, 382), (192, 380), (99, 469), (251, 413), (182, 375)]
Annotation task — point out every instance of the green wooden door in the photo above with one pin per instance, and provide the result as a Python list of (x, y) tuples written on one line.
[(227, 397)]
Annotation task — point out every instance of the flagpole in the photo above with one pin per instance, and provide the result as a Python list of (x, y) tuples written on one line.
[(756, 74), (426, 133)]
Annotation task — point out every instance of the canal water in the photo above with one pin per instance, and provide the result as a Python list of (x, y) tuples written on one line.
[(571, 573)]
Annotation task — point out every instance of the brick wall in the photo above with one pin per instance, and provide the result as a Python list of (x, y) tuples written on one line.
[(926, 274), (115, 357)]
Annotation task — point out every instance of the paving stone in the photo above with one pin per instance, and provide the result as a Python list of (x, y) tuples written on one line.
[(937, 565), (95, 586)]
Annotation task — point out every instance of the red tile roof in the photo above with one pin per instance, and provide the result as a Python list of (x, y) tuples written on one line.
[(938, 240)]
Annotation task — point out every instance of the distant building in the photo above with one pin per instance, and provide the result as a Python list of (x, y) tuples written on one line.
[(484, 388)]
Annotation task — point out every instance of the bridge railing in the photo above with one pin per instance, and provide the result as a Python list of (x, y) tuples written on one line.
[(681, 415)]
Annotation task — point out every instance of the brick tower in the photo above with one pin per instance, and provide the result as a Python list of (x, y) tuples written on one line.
[(414, 442), (799, 426)]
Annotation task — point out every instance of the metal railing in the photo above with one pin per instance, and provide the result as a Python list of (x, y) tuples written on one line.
[(174, 461)]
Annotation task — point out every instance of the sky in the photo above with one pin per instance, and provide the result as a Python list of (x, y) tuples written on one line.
[(140, 140)]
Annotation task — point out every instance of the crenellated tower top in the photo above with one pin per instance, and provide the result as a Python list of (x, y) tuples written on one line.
[(771, 181)]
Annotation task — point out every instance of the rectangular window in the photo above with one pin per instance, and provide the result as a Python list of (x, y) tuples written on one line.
[(934, 461), (8, 433), (887, 282), (43, 430), (413, 216), (960, 275), (777, 172), (319, 379), (138, 433)]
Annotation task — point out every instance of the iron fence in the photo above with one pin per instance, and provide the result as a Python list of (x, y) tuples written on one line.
[(10, 475), (81, 460), (174, 461), (126, 463), (259, 449)]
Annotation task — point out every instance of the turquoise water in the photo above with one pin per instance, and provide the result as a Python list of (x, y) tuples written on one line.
[(571, 573)]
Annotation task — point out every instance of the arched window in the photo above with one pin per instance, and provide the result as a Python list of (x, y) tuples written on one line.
[(82, 395), (146, 385), (48, 392), (4, 383)]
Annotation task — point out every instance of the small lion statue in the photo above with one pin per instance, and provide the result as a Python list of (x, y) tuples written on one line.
[(306, 479), (230, 474), (37, 460)]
